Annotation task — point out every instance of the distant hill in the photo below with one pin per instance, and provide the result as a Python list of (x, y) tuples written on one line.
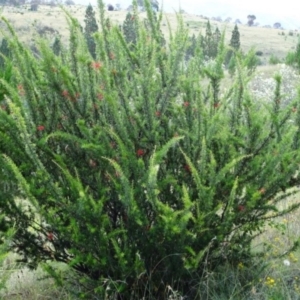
[(287, 17), (51, 20)]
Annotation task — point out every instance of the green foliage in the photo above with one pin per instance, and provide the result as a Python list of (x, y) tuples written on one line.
[(232, 66), (130, 29), (235, 38), (293, 58), (234, 44), (5, 67), (251, 61), (90, 28), (290, 58), (210, 42), (122, 168), (191, 48), (5, 239), (4, 53), (56, 47), (274, 60)]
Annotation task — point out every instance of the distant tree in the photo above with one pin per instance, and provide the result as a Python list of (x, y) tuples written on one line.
[(251, 19), (210, 42), (90, 28), (277, 25), (216, 41), (190, 51), (34, 5), (207, 41), (235, 38), (56, 47), (110, 7), (4, 52), (154, 4), (235, 44), (129, 29), (69, 2)]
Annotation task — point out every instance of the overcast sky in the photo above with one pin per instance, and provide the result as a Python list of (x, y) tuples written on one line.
[(286, 12)]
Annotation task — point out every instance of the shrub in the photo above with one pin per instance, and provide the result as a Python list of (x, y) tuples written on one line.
[(110, 7), (274, 60), (126, 172), (34, 6), (290, 58), (90, 28), (293, 58)]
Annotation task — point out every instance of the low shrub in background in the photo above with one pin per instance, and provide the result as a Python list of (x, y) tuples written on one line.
[(125, 168), (293, 58), (274, 60)]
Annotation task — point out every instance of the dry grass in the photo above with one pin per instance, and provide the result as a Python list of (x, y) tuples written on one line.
[(23, 283)]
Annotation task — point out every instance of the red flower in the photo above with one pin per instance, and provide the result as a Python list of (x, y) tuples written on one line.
[(140, 152), (217, 104), (158, 113), (262, 190), (241, 208), (21, 90), (187, 168), (53, 69), (50, 236), (186, 104), (100, 96), (112, 55), (40, 128), (65, 93), (92, 163), (96, 65)]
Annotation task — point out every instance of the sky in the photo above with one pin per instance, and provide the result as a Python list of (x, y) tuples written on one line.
[(284, 12)]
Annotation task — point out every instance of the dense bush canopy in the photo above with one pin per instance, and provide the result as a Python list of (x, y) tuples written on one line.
[(131, 167)]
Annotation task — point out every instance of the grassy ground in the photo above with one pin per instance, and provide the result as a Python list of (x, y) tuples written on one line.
[(269, 41)]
